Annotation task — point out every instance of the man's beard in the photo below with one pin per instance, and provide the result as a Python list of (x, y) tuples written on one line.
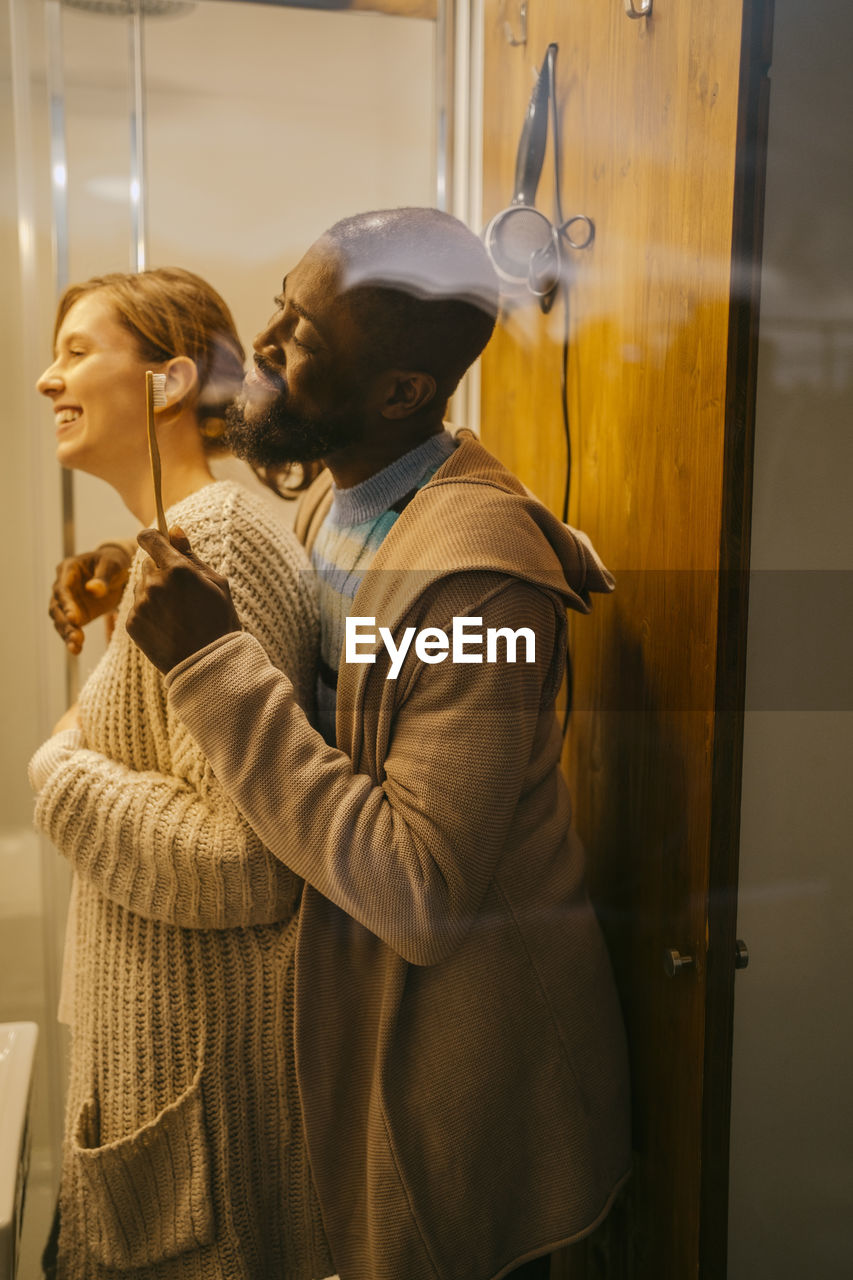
[(275, 436)]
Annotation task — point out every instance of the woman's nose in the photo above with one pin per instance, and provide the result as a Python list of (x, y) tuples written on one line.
[(49, 382)]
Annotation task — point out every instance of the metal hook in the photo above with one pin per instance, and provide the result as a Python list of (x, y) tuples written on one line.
[(522, 18), (644, 10), (587, 223)]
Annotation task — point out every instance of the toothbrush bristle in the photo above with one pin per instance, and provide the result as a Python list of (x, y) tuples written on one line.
[(159, 387)]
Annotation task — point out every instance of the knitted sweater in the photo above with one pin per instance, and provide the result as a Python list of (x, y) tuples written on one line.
[(184, 1154)]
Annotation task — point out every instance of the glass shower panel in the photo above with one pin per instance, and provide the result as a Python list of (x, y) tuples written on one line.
[(97, 98), (260, 126), (266, 124), (93, 82)]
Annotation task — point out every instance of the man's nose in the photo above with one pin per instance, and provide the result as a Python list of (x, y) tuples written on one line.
[(267, 346)]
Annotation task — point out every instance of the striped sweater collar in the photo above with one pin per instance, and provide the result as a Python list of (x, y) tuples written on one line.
[(379, 492)]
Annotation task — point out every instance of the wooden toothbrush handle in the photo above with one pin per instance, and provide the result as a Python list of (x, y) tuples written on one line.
[(154, 454)]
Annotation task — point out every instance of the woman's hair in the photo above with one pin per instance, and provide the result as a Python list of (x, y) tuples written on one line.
[(173, 312)]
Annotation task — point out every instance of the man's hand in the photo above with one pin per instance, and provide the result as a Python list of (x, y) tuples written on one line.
[(86, 587), (181, 605)]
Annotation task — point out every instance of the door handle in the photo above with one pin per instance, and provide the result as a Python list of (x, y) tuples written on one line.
[(674, 962)]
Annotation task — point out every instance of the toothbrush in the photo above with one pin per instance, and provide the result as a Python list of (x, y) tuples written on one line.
[(155, 398)]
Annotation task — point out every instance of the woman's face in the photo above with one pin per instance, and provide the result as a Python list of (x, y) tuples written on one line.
[(97, 385)]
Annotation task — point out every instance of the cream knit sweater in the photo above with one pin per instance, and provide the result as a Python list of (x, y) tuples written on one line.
[(184, 1153)]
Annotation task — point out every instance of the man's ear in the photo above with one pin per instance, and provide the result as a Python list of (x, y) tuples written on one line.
[(404, 392), (181, 383)]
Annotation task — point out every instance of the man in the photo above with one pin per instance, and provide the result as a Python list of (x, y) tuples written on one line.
[(459, 1044)]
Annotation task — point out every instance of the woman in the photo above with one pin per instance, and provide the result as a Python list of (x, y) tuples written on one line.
[(183, 1154)]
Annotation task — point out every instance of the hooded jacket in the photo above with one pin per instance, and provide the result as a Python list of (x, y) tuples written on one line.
[(460, 1049)]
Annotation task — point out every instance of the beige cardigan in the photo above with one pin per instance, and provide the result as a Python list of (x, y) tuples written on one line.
[(184, 1157), (460, 1048)]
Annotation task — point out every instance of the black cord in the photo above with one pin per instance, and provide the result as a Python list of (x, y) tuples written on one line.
[(564, 401), (562, 280), (563, 287)]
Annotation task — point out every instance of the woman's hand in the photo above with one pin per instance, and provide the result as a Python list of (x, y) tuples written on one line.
[(70, 720), (88, 586)]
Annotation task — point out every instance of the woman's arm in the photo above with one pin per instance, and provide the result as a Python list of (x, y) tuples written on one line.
[(155, 844), (173, 846)]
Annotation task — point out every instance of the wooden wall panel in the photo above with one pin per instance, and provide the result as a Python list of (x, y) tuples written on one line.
[(649, 116)]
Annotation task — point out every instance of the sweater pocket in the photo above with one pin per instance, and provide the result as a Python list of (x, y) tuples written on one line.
[(145, 1197)]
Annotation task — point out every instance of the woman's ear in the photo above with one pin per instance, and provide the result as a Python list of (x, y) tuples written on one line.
[(181, 382), (405, 392)]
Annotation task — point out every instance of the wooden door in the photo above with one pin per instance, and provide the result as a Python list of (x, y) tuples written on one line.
[(663, 125)]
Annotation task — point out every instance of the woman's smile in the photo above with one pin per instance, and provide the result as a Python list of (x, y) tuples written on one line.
[(66, 416)]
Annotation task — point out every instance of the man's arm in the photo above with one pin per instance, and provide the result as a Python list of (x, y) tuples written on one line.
[(410, 859)]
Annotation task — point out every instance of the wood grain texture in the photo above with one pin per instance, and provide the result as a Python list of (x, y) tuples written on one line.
[(649, 119)]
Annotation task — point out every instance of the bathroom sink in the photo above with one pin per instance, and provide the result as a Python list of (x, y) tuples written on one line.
[(17, 1052)]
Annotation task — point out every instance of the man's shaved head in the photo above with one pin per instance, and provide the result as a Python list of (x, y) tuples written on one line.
[(373, 329), (421, 288)]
